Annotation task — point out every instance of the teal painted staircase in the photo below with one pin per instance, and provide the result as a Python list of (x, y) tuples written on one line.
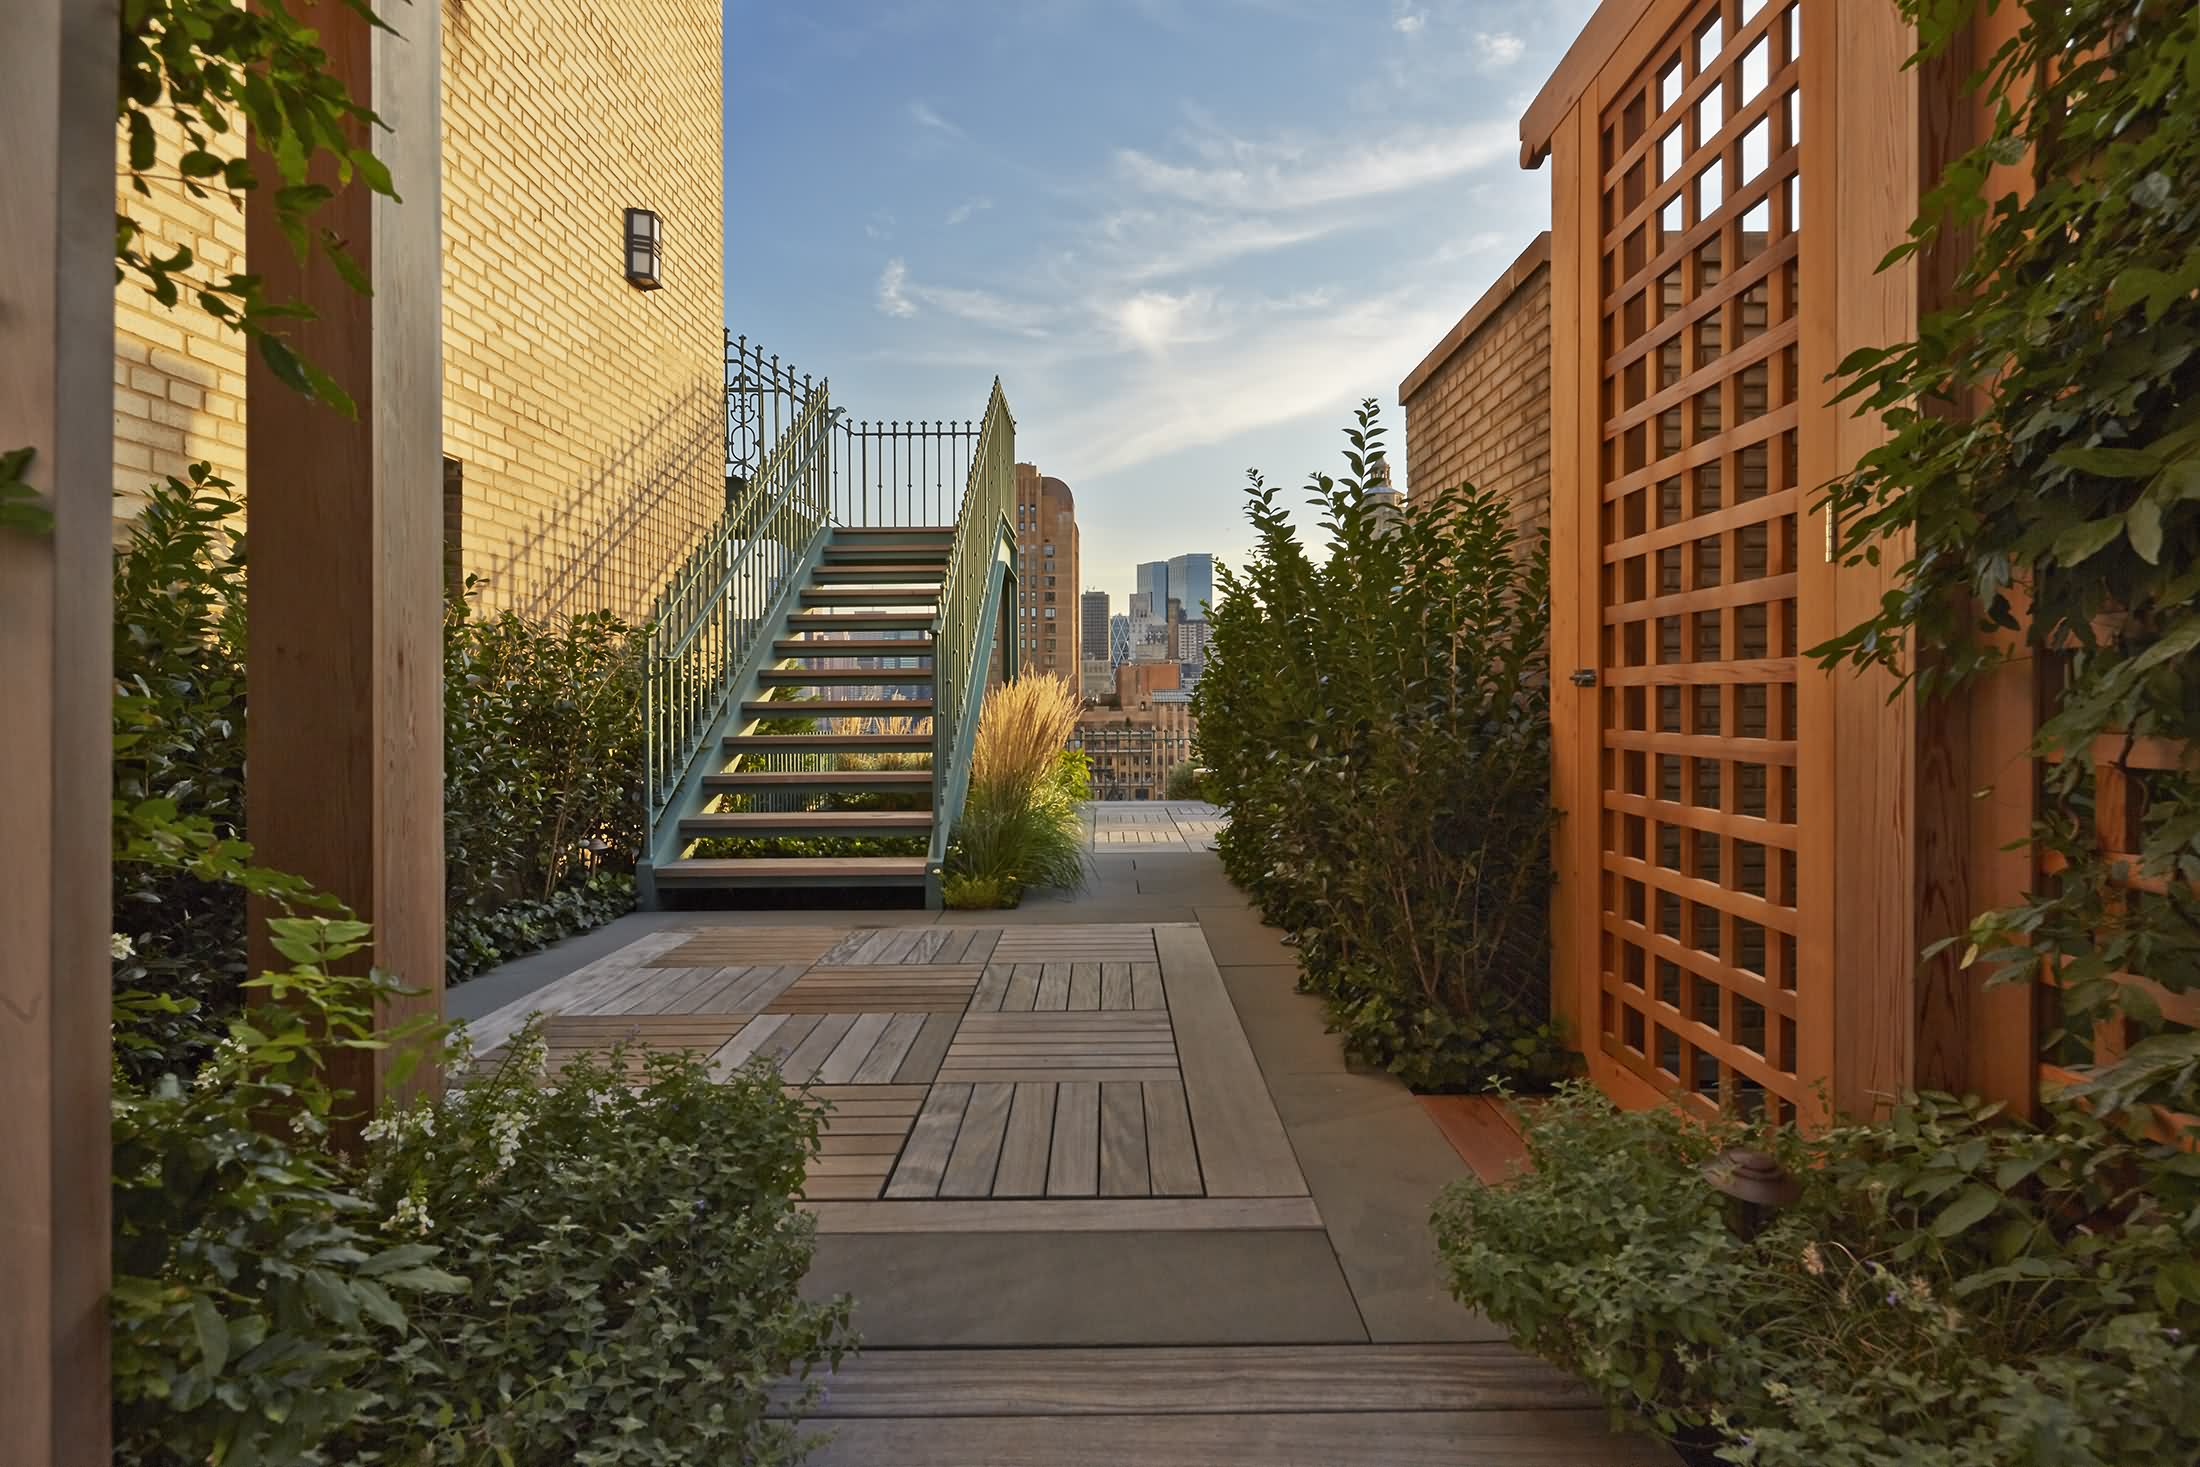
[(815, 675)]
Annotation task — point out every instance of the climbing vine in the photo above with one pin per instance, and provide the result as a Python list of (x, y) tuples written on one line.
[(2041, 485)]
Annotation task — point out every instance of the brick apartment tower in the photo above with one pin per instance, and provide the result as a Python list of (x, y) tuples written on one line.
[(1478, 408), (1046, 574)]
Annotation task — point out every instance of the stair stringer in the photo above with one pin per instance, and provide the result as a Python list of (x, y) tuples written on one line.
[(951, 767), (746, 684)]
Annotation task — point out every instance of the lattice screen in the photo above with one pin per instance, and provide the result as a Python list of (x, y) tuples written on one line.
[(1700, 208)]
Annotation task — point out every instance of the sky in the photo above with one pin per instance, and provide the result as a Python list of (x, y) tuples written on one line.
[(1188, 235)]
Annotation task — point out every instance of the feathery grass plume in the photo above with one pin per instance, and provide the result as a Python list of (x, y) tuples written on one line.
[(1021, 825)]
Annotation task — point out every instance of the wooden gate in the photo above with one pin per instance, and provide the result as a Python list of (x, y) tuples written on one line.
[(1683, 803), (1752, 853)]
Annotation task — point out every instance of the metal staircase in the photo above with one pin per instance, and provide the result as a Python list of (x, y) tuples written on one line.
[(817, 664)]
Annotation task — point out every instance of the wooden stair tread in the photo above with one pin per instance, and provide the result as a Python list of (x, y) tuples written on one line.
[(855, 647), (797, 677), (833, 868), (845, 570), (805, 778), (846, 531), (826, 621), (874, 743), (840, 708), (818, 820)]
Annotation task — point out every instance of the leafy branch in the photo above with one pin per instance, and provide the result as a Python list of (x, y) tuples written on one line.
[(203, 67), (2042, 470)]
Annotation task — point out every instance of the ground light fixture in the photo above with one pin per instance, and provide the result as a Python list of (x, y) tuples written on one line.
[(645, 237)]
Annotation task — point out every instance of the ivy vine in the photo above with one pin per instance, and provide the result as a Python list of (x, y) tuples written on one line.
[(2042, 480)]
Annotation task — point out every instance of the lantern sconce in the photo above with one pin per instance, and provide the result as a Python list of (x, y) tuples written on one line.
[(645, 236)]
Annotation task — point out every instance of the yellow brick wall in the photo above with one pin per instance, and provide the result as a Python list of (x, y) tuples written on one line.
[(1478, 409), (586, 415), (179, 378)]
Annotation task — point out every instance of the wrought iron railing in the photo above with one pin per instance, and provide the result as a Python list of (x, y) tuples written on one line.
[(711, 621), (969, 617), (796, 469)]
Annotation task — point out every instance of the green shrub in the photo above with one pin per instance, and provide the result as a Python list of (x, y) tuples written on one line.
[(1185, 783), (979, 893), (179, 660), (542, 749), (542, 730), (632, 1257), (1376, 727), (252, 1287), (1021, 825), (1950, 1290)]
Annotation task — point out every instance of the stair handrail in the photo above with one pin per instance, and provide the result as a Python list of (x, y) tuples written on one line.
[(711, 620), (963, 628)]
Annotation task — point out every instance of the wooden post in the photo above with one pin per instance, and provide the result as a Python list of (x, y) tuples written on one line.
[(345, 742), (57, 294)]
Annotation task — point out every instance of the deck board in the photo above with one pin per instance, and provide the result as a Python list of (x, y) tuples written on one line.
[(977, 1150), (1172, 1154), (1243, 1150), (1073, 1168), (931, 1141), (893, 1046), (1123, 1171), (1029, 1137)]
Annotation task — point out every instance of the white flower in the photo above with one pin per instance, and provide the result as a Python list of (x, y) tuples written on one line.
[(411, 1213), (120, 947)]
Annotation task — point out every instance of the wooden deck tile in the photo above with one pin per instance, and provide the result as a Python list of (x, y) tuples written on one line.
[(978, 1145), (803, 1060), (922, 1064), (1073, 1167), (885, 1058), (839, 1067), (931, 1141), (1022, 990), (1172, 1155), (1115, 986), (1023, 1166), (1243, 1151), (1072, 1215), (1070, 942), (1123, 1140), (1194, 1381), (748, 946), (740, 1049), (1478, 1129), (1053, 992)]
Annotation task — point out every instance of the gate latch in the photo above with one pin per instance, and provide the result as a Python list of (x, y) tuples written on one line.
[(1584, 677)]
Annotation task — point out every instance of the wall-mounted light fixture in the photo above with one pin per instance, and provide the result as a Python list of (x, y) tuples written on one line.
[(645, 238)]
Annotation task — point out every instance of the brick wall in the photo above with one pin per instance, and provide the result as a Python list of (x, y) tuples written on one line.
[(586, 415), (1478, 408), (179, 378)]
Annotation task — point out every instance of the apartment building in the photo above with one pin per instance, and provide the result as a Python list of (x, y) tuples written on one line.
[(1046, 575)]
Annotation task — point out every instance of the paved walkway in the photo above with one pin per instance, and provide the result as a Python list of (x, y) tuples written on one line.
[(1103, 1189)]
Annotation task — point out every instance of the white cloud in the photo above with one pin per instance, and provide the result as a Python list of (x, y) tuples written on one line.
[(1280, 176), (1406, 25), (900, 297), (1146, 244), (961, 213), (924, 115), (879, 226), (1153, 321), (1499, 48), (1282, 366), (893, 295)]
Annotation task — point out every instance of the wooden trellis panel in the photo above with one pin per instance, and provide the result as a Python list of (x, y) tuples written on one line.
[(1698, 219)]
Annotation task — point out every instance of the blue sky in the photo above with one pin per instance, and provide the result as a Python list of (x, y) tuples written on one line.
[(1189, 235)]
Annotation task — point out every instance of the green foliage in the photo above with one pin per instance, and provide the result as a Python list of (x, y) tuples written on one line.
[(2041, 488), (1377, 728), (1184, 783), (961, 893), (542, 737), (250, 1289), (475, 941), (1009, 838), (1949, 1291), (211, 69), (542, 740), (632, 1255)]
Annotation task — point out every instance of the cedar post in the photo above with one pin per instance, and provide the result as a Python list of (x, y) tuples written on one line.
[(345, 740), (57, 295)]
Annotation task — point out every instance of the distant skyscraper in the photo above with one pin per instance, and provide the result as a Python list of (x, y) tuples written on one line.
[(1046, 552), (1119, 640), (1192, 581), (1153, 583), (1092, 626)]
